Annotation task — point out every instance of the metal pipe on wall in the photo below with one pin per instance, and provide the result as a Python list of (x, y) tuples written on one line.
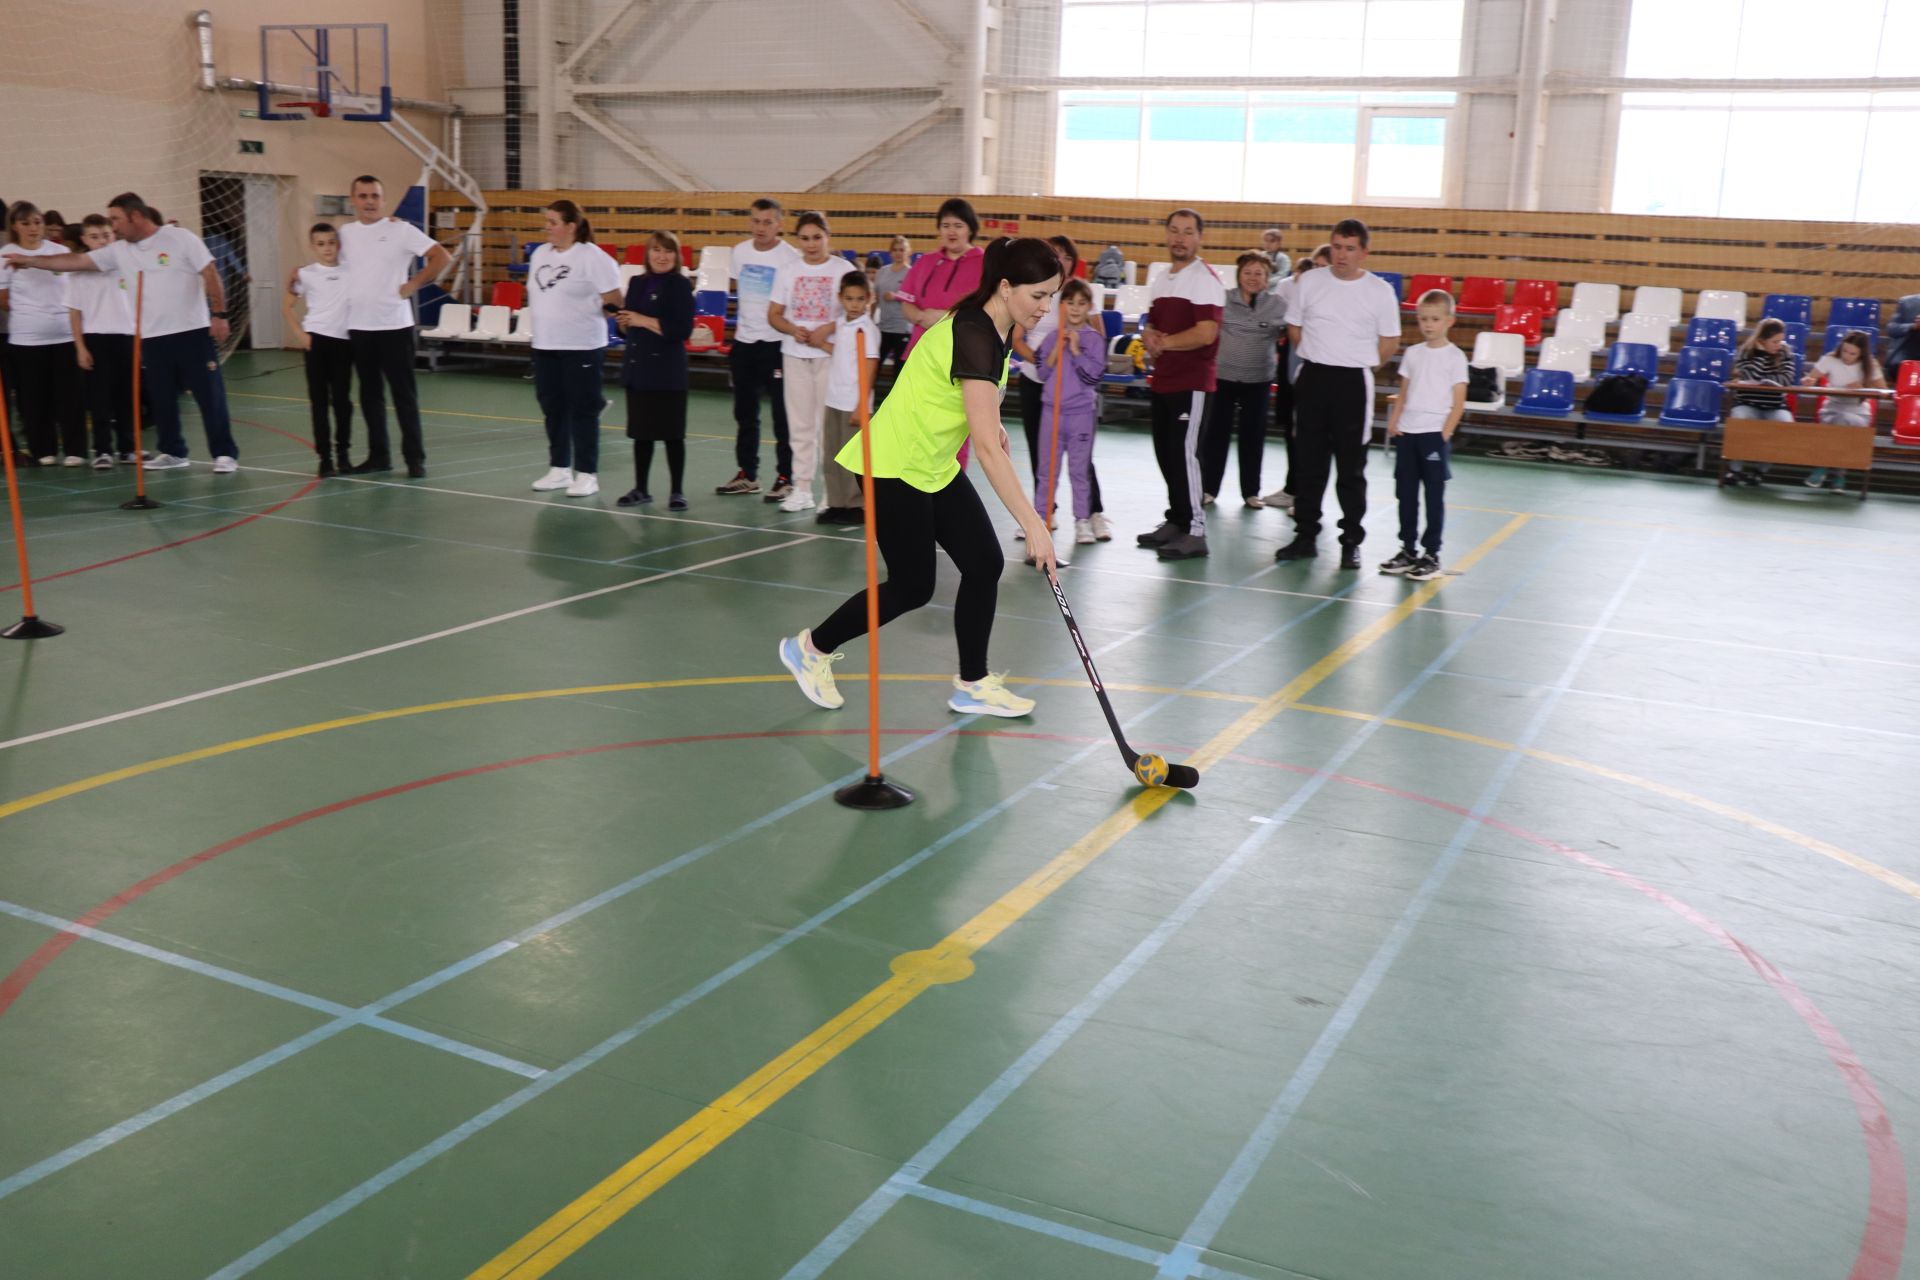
[(1530, 103)]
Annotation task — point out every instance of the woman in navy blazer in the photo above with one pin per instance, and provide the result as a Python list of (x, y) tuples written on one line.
[(657, 320)]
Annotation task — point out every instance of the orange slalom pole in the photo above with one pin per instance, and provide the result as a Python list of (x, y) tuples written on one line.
[(874, 791), (1053, 446), (31, 626), (140, 501)]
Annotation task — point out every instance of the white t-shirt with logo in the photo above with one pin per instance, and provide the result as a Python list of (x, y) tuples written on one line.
[(1431, 374), (39, 299), (1341, 322), (563, 296), (811, 295), (329, 299), (175, 297), (753, 273), (104, 301), (379, 258), (843, 380)]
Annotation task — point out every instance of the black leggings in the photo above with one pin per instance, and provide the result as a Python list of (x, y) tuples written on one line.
[(909, 523), (676, 464), (52, 402), (1031, 413)]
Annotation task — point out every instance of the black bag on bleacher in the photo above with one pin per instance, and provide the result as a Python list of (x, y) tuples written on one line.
[(1484, 384), (1618, 393)]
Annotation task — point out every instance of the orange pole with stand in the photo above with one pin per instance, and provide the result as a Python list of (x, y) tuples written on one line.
[(31, 626), (140, 501), (1053, 445), (874, 791)]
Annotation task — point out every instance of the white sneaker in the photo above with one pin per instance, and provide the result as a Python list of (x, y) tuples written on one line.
[(585, 485), (1102, 531), (103, 462), (1278, 498), (988, 697), (813, 669), (1083, 532), (556, 478), (224, 466), (73, 460), (1206, 499), (797, 501), (1255, 504), (164, 462), (49, 460)]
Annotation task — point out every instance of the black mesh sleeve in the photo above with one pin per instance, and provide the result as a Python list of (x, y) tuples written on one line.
[(978, 351)]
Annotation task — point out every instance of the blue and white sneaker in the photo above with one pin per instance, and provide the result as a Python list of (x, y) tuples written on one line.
[(988, 697), (813, 670)]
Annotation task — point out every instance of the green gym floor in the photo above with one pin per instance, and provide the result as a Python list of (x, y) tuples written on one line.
[(437, 878)]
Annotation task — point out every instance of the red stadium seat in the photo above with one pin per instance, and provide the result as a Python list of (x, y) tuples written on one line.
[(636, 255), (1479, 295), (1542, 295), (716, 326), (1906, 423), (1907, 382), (614, 252), (1420, 284), (1525, 321), (510, 293)]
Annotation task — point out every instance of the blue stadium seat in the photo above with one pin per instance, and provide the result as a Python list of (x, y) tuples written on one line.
[(710, 302), (1713, 363), (1395, 279), (1797, 337), (1642, 358), (1854, 313), (1548, 391), (613, 334), (1706, 331), (1835, 332), (1797, 307), (526, 254), (851, 255), (1114, 323), (1692, 402)]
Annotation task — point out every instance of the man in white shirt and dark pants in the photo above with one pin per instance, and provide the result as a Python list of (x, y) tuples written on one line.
[(756, 359), (378, 253), (1343, 321), (182, 317)]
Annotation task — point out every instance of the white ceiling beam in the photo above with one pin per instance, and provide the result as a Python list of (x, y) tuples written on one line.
[(932, 32), (592, 44), (707, 88), (887, 146), (620, 138)]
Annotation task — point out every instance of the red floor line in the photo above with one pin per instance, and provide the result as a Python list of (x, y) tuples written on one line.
[(304, 490), (1883, 1237)]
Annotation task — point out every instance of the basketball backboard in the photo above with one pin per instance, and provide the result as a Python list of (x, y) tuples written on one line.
[(325, 69)]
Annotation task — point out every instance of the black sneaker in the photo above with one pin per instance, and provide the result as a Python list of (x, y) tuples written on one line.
[(416, 471), (741, 483), (1298, 549), (371, 466), (1188, 546), (1401, 562), (782, 489), (827, 515), (1425, 569), (1161, 536), (326, 467), (633, 498), (1349, 557), (677, 502), (851, 515)]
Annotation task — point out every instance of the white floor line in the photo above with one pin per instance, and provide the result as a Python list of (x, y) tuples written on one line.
[(397, 645)]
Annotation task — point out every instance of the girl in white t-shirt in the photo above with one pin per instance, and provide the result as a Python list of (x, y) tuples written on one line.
[(100, 306), (803, 310), (1849, 364), (570, 285), (52, 402)]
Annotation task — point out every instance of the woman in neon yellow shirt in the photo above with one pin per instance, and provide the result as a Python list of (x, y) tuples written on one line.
[(948, 393)]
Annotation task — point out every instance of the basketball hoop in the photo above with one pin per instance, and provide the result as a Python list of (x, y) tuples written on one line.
[(320, 109)]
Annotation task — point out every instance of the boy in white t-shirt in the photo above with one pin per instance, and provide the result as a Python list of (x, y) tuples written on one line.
[(322, 333), (102, 312), (1433, 396), (844, 380)]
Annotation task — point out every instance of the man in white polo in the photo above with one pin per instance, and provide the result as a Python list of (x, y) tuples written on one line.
[(182, 318), (377, 253), (1343, 321)]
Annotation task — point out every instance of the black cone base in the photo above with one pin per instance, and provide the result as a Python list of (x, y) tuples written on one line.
[(874, 792), (35, 628), (141, 503)]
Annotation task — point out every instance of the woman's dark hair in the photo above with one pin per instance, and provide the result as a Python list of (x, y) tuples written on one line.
[(855, 280), (1248, 259), (812, 218), (958, 208), (1858, 339), (876, 260), (17, 214), (1075, 289), (1771, 327), (1017, 262), (662, 240), (570, 213), (1064, 245)]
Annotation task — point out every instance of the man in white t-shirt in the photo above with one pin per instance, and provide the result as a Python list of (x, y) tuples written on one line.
[(1343, 321), (756, 358), (182, 316), (377, 253)]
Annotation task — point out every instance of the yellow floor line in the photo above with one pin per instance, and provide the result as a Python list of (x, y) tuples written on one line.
[(949, 960), (1885, 875)]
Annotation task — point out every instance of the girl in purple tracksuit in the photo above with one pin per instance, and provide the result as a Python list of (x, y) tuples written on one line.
[(1082, 344)]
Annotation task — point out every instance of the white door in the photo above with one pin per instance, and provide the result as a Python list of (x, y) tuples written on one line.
[(263, 259)]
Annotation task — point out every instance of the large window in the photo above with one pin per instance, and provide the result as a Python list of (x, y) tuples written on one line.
[(1827, 156), (1232, 143)]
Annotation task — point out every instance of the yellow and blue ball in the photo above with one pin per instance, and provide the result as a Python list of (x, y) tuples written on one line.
[(1151, 770)]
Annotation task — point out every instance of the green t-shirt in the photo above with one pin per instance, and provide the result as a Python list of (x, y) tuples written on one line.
[(918, 430)]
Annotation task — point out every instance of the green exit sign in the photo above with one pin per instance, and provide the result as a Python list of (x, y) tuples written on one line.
[(248, 113), (248, 148)]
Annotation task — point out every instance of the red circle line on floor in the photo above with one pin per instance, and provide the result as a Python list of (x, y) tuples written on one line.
[(1883, 1237)]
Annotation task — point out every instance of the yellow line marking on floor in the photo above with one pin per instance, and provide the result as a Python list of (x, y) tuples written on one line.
[(99, 780), (1885, 875), (949, 960)]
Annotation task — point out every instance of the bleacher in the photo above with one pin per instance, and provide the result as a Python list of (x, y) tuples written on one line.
[(1689, 298)]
